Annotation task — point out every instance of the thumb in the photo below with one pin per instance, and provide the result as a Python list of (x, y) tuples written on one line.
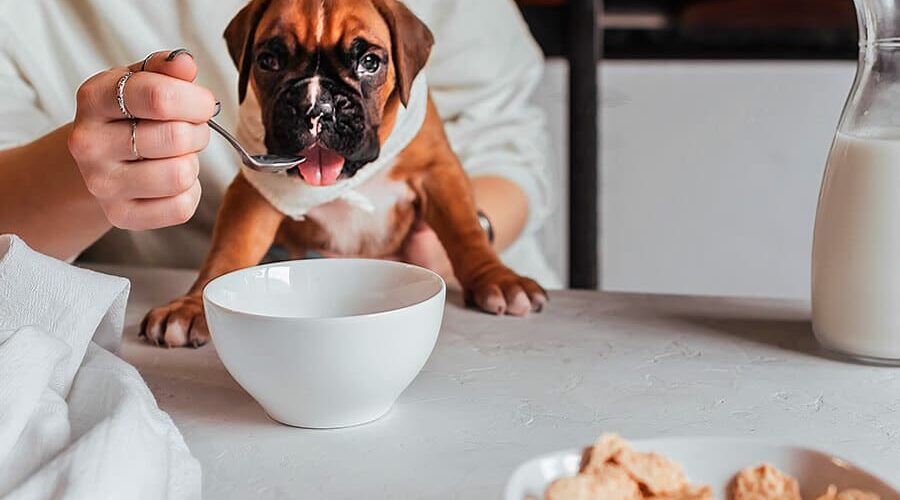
[(177, 63)]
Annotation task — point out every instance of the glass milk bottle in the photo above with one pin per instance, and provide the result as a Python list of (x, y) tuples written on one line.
[(856, 248)]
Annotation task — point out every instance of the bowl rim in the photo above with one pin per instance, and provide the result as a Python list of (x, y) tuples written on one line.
[(431, 274)]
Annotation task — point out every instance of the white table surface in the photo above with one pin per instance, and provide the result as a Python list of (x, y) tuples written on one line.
[(498, 391)]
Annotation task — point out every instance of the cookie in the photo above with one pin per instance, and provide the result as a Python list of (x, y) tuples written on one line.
[(656, 474), (604, 449), (690, 493), (606, 482), (764, 482), (834, 494)]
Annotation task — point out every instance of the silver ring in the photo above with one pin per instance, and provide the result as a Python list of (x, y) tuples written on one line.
[(120, 94), (146, 59), (134, 149)]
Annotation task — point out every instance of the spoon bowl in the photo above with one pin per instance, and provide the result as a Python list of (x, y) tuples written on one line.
[(274, 163), (262, 163)]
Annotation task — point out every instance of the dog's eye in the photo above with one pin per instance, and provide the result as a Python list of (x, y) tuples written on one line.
[(370, 63), (268, 61)]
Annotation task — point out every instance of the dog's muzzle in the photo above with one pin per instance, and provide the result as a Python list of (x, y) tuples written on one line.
[(316, 110)]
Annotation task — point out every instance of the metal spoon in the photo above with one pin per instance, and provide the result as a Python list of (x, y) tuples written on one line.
[(261, 163)]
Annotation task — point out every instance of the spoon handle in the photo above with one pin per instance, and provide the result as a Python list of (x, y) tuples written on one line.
[(230, 138)]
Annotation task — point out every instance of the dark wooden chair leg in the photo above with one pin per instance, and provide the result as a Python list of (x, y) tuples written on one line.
[(584, 127)]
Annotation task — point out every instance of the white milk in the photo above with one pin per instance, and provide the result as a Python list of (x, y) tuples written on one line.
[(856, 252)]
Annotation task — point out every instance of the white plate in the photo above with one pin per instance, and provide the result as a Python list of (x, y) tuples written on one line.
[(714, 462)]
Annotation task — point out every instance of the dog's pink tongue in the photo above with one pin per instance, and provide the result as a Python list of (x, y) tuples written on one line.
[(322, 166)]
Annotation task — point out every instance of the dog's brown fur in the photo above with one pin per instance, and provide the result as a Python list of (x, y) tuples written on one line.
[(438, 190)]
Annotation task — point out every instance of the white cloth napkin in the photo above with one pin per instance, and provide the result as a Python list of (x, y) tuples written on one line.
[(77, 422), (295, 198)]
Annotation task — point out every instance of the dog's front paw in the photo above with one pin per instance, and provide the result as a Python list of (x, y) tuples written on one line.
[(501, 291), (180, 323)]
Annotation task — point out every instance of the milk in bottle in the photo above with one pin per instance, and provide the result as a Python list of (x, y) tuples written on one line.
[(856, 247)]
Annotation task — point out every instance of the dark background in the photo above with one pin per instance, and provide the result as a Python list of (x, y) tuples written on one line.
[(709, 29)]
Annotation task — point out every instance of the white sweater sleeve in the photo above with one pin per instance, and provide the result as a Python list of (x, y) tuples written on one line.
[(482, 73), (21, 117)]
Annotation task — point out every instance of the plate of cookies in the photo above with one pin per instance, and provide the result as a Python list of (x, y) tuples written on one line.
[(694, 469)]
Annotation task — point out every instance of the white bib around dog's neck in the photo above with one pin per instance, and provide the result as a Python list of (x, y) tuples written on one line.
[(294, 197)]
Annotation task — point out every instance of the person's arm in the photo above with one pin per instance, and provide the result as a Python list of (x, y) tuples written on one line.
[(43, 198), (505, 205), (61, 192), (482, 75)]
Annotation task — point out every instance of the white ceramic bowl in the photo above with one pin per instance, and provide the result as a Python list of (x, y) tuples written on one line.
[(325, 343)]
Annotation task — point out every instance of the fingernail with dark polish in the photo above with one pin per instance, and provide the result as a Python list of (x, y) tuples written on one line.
[(218, 108), (177, 52)]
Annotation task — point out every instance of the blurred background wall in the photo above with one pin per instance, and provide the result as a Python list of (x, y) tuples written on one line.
[(717, 116)]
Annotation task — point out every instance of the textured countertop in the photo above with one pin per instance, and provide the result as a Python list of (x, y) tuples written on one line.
[(498, 391)]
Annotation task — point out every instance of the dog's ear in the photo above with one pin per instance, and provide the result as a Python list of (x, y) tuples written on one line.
[(239, 36), (411, 40)]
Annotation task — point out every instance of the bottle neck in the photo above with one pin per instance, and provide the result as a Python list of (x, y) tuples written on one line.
[(879, 22)]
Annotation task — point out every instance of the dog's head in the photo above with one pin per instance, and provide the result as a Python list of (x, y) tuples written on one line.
[(329, 76)]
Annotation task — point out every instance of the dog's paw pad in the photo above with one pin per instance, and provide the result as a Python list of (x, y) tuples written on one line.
[(178, 324), (504, 292), (519, 304)]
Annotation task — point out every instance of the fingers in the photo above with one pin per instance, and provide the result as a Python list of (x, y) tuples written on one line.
[(146, 194), (156, 139), (162, 189), (152, 96), (177, 63), (148, 95), (159, 89), (143, 214), (151, 179), (111, 142)]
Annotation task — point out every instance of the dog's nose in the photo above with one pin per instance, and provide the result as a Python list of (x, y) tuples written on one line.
[(319, 114), (321, 109)]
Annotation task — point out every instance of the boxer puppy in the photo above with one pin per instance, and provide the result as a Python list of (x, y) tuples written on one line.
[(339, 82)]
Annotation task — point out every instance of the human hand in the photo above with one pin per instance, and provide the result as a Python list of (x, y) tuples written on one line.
[(158, 186), (423, 248)]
